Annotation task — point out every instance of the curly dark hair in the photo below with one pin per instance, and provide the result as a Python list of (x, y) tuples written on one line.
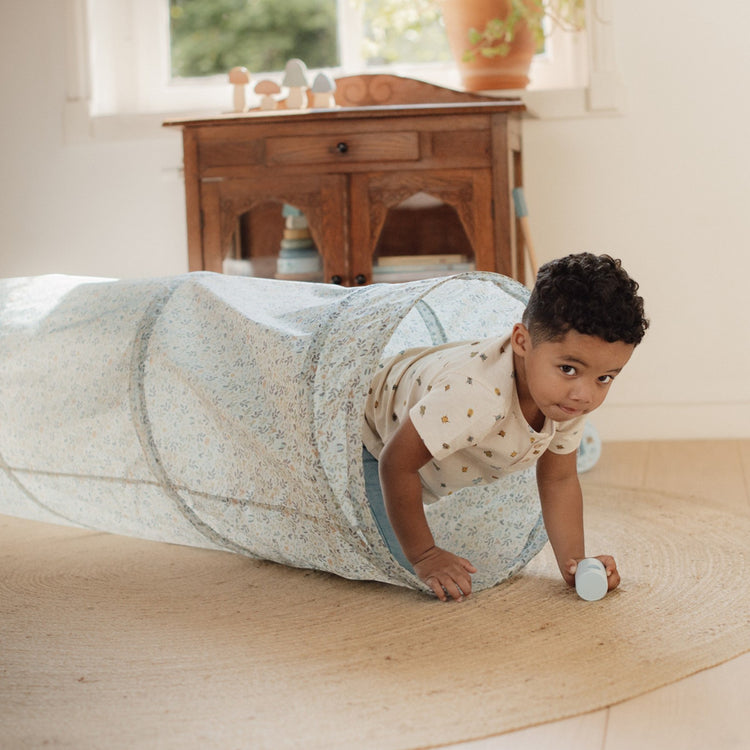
[(588, 293)]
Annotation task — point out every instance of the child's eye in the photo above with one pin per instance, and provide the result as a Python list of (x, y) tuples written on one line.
[(605, 379), (567, 369)]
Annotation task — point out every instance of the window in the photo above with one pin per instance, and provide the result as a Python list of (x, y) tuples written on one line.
[(128, 58), (209, 38)]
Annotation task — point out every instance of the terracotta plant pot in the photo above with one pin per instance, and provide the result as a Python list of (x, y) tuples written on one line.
[(509, 71)]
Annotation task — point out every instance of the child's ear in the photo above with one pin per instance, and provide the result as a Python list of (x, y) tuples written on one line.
[(520, 339)]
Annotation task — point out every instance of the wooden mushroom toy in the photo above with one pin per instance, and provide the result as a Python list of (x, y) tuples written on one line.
[(239, 78), (266, 90), (295, 78), (322, 91)]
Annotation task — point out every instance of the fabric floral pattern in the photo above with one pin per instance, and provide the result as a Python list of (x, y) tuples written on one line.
[(226, 412)]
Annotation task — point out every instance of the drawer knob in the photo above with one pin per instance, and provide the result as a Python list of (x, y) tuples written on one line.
[(342, 147), (336, 279), (360, 279)]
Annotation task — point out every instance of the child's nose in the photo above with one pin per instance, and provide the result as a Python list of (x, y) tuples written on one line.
[(582, 393)]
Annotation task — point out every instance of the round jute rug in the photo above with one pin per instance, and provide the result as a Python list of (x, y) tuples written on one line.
[(122, 643)]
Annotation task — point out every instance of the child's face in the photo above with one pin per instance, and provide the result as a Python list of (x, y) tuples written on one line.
[(570, 377)]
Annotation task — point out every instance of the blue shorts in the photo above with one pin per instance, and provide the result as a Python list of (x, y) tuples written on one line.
[(377, 506)]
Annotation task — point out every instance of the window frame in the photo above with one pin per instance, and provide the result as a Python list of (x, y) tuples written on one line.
[(118, 70)]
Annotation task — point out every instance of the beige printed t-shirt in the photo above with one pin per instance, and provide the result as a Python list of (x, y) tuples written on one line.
[(462, 400)]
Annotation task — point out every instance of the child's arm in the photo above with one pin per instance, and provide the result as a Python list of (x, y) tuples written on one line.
[(562, 509), (399, 464)]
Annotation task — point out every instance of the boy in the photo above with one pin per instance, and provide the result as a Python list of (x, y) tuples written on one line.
[(465, 413)]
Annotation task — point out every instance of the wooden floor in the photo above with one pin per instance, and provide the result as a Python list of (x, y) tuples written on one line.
[(707, 710)]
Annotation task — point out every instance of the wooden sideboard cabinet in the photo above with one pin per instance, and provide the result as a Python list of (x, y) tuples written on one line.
[(389, 139)]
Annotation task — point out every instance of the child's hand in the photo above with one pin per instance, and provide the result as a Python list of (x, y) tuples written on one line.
[(610, 567), (445, 573)]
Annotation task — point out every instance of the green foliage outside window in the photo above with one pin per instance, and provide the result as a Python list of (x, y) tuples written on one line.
[(408, 31), (209, 38)]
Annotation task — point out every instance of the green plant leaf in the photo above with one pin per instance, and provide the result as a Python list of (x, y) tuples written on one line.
[(498, 33), (499, 50)]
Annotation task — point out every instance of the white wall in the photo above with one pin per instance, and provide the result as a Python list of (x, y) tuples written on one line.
[(111, 209), (664, 187)]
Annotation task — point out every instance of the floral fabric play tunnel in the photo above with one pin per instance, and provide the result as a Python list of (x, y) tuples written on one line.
[(226, 412)]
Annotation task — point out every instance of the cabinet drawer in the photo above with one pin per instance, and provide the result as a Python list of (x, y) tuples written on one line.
[(351, 147)]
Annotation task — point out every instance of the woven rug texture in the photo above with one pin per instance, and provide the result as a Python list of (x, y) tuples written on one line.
[(118, 642)]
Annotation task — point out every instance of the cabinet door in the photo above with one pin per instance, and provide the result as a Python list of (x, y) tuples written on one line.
[(468, 191), (322, 198)]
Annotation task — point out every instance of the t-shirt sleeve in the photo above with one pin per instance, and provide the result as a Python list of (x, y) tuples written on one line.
[(456, 413), (567, 436)]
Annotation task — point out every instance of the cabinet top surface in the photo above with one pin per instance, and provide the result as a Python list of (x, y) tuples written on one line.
[(499, 106)]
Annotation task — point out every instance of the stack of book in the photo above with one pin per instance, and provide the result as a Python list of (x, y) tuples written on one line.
[(394, 268), (298, 259)]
